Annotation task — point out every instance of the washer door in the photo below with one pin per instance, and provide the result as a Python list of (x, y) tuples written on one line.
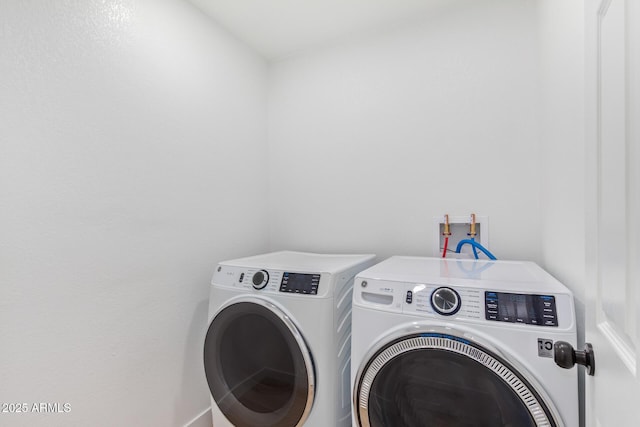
[(442, 380), (258, 366)]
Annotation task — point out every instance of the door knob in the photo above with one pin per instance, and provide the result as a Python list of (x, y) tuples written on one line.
[(565, 356)]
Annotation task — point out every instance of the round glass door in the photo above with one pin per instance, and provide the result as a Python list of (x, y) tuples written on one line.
[(440, 380), (258, 367)]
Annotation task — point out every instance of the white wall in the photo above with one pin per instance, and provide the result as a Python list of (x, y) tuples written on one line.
[(370, 139), (562, 137), (132, 139)]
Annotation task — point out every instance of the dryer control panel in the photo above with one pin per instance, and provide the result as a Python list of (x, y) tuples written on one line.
[(300, 283), (266, 280)]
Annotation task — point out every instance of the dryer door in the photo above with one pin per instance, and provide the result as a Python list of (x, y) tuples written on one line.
[(443, 380), (258, 367)]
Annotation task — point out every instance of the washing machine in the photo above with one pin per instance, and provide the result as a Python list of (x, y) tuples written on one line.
[(277, 350), (441, 342)]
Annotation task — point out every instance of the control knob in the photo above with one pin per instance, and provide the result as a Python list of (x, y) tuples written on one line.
[(445, 301), (260, 279)]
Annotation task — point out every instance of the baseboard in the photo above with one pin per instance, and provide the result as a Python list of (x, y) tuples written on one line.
[(203, 419)]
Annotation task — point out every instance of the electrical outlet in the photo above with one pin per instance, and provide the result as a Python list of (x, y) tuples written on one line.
[(459, 226)]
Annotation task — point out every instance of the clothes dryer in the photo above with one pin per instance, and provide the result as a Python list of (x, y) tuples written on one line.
[(277, 351), (461, 343)]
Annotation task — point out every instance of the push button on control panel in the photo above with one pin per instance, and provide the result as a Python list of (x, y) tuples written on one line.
[(491, 305), (409, 297)]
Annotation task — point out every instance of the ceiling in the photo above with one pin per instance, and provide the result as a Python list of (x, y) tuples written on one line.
[(278, 28)]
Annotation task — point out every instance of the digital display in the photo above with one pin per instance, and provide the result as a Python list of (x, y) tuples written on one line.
[(521, 308), (299, 283)]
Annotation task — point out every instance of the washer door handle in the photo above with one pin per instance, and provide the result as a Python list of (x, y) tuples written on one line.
[(566, 357)]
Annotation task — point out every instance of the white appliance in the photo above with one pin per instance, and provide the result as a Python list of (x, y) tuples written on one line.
[(277, 351), (461, 343)]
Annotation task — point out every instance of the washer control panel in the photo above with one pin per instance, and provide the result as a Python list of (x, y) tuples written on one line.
[(437, 300), (521, 308), (462, 302)]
